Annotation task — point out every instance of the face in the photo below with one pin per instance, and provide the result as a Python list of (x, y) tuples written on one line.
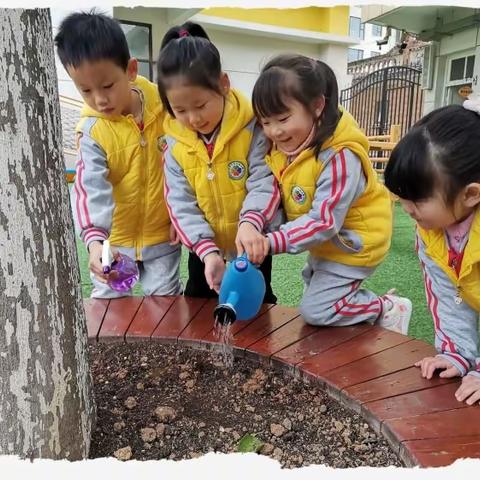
[(434, 213), (291, 128), (198, 108), (104, 86)]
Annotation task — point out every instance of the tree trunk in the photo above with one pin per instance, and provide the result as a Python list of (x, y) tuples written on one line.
[(46, 404)]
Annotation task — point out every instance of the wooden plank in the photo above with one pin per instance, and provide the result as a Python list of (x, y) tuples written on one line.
[(264, 325), (382, 363), (430, 400), (373, 341), (440, 452), (284, 336), (95, 309), (445, 424), (149, 315), (177, 318), (200, 325), (397, 383), (119, 315), (323, 339), (381, 145), (238, 325)]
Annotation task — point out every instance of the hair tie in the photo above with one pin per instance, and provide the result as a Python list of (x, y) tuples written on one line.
[(473, 103), (183, 33)]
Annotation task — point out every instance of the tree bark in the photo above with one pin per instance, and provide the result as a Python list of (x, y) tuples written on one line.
[(46, 403)]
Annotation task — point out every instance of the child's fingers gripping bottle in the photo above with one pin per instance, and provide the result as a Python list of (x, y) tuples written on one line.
[(241, 292), (122, 271)]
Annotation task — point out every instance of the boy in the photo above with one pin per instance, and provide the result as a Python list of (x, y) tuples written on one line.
[(118, 190)]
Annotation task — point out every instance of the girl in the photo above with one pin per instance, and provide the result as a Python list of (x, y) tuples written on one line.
[(435, 171), (219, 191), (335, 206)]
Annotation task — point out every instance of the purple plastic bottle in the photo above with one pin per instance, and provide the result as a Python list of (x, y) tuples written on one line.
[(124, 269)]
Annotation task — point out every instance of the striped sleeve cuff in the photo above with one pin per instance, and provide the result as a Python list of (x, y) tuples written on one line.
[(278, 242), (457, 360), (91, 234), (475, 373), (204, 247), (255, 218)]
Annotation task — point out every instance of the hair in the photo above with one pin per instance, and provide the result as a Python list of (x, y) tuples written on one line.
[(187, 51), (91, 36), (303, 79), (440, 152)]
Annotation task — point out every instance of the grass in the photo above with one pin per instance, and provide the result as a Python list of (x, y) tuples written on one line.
[(400, 269)]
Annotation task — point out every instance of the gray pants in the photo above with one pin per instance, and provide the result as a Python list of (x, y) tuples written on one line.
[(159, 272), (333, 297)]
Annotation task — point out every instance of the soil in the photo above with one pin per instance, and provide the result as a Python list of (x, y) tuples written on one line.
[(165, 401)]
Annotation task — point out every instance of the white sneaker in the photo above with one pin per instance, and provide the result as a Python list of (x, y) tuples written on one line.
[(398, 316)]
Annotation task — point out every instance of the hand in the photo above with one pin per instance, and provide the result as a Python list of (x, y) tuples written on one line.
[(430, 364), (95, 261), (174, 238), (469, 390), (214, 270), (251, 241)]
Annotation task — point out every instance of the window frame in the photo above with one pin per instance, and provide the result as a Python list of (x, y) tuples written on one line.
[(373, 30), (356, 50), (150, 44), (448, 73), (361, 28)]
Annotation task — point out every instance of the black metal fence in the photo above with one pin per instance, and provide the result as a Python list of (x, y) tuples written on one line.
[(391, 96)]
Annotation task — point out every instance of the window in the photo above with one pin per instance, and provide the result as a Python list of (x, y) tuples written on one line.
[(462, 68), (354, 54), (398, 35), (139, 39), (377, 30), (357, 28), (470, 65)]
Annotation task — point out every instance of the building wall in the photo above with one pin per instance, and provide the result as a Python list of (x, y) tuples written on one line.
[(243, 56), (330, 20), (154, 16), (466, 42), (369, 44)]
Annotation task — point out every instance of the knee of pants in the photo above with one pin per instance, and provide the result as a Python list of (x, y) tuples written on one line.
[(173, 288), (314, 316)]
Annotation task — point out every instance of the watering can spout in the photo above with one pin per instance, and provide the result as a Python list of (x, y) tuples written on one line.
[(241, 292)]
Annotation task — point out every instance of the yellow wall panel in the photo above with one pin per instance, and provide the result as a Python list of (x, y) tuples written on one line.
[(317, 19)]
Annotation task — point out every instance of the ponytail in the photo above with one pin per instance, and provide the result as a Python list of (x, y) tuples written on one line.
[(180, 31), (330, 116)]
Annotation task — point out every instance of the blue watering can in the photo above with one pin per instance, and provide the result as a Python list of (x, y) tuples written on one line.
[(241, 292)]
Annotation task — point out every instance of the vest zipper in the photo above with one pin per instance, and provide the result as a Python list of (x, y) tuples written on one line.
[(143, 193), (215, 193)]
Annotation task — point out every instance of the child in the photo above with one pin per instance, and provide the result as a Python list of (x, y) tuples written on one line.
[(219, 190), (118, 190), (335, 206), (435, 171)]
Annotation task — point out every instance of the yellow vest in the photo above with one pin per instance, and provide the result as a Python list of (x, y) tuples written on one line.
[(140, 217), (468, 281), (370, 216), (221, 197)]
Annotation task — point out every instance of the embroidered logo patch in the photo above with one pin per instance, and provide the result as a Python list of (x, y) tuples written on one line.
[(162, 144), (236, 170), (298, 195)]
